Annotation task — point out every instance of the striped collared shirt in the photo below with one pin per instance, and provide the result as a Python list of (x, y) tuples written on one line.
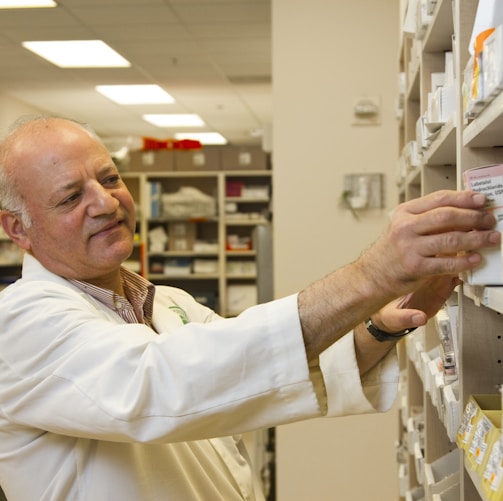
[(138, 304)]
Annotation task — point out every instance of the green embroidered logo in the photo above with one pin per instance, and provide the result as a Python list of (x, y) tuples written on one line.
[(181, 313)]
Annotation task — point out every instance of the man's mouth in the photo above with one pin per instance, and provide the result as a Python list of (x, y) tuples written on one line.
[(108, 228)]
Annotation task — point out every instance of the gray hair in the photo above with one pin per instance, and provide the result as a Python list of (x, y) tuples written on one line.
[(11, 199)]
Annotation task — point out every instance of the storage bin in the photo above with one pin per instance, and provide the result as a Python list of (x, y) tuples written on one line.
[(441, 474)]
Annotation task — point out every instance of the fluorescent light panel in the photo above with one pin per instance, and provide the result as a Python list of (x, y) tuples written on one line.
[(78, 54), (207, 138), (135, 94), (26, 4), (174, 120)]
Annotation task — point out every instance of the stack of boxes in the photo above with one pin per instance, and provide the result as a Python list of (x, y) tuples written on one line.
[(209, 158), (480, 437)]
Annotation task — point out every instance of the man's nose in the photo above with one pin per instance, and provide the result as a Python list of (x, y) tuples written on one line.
[(101, 201)]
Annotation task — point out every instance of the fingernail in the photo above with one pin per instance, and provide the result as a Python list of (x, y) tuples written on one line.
[(417, 320), (489, 218), (479, 198), (474, 258), (494, 237)]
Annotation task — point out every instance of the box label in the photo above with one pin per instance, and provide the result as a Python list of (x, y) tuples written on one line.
[(488, 180)]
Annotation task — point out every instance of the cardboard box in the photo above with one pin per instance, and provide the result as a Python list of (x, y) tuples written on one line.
[(206, 159), (492, 477), (181, 236), (486, 431), (475, 408), (244, 158), (488, 180), (152, 161)]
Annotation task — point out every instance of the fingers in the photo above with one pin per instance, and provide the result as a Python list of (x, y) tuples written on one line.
[(447, 210), (430, 295), (438, 234), (414, 309), (442, 239), (452, 252), (446, 198), (453, 242), (463, 211), (453, 219), (405, 319), (391, 319)]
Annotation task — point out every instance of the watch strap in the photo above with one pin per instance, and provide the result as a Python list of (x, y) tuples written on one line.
[(386, 336)]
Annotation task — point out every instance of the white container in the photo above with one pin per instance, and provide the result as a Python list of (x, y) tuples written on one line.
[(442, 474), (488, 179)]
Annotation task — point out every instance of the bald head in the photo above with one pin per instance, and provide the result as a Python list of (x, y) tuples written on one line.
[(57, 176), (19, 155)]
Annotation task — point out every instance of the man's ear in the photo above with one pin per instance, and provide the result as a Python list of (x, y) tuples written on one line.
[(13, 226)]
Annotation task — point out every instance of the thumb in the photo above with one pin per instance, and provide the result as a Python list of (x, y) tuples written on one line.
[(401, 319)]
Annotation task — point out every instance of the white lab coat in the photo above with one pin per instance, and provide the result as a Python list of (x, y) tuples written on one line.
[(92, 408)]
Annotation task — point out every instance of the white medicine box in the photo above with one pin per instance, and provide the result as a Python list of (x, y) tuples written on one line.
[(488, 179), (492, 67)]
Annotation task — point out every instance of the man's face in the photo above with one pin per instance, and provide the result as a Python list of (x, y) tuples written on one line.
[(82, 213)]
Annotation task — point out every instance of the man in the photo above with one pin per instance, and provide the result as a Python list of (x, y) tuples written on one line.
[(107, 393)]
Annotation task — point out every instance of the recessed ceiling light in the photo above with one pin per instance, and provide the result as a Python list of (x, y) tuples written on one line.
[(78, 54), (26, 4), (207, 138), (174, 120), (135, 94)]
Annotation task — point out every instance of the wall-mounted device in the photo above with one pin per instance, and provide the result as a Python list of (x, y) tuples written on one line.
[(364, 191), (366, 110)]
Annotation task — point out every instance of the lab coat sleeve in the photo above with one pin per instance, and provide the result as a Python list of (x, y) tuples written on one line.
[(339, 389), (72, 370), (346, 392)]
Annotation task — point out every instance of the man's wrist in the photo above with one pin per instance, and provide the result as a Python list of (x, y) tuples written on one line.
[(383, 336)]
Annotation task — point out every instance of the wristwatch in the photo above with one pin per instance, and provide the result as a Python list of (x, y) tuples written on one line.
[(385, 336)]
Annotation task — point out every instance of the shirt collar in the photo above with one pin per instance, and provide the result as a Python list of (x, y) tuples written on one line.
[(136, 307)]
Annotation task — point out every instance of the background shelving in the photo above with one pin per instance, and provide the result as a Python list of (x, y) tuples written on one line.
[(223, 258), (429, 407)]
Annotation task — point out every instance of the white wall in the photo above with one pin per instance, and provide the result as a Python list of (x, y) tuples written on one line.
[(325, 54), (10, 110)]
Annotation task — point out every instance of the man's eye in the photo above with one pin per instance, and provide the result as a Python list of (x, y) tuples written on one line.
[(112, 180), (72, 198)]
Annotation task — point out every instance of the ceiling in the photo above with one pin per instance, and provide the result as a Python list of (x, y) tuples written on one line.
[(212, 56)]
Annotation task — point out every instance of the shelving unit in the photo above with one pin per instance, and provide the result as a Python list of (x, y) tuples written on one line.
[(223, 258), (431, 409)]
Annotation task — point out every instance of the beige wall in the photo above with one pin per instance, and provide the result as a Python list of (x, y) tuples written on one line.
[(325, 54), (10, 110)]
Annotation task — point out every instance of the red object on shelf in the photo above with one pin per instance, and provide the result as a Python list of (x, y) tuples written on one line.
[(150, 143), (233, 188)]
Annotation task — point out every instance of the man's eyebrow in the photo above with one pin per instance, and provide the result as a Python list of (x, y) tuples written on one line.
[(71, 185), (107, 169), (62, 190)]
